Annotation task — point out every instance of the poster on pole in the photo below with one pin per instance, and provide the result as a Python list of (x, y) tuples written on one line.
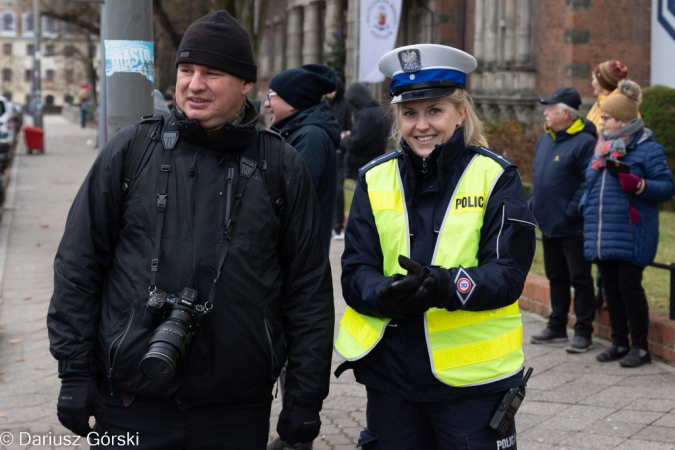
[(663, 43), (378, 28)]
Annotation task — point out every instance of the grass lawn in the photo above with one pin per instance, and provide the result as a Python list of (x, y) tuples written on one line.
[(656, 281)]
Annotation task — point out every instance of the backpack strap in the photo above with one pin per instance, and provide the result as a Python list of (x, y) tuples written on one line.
[(147, 130), (271, 156)]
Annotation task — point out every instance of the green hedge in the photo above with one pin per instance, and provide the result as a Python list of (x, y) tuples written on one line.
[(658, 111)]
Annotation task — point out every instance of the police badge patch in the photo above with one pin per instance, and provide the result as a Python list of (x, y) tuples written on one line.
[(465, 285), (410, 60)]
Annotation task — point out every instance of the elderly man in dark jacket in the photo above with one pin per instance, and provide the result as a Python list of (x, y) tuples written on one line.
[(249, 284), (370, 130), (308, 124), (560, 162)]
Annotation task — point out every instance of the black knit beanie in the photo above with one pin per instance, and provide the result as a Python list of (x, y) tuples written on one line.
[(218, 41), (304, 86)]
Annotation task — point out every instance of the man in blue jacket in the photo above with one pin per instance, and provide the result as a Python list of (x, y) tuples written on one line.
[(561, 157), (308, 124)]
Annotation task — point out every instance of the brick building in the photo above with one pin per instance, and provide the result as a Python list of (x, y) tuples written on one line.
[(525, 48)]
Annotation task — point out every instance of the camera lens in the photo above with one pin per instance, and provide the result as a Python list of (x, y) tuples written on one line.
[(167, 346)]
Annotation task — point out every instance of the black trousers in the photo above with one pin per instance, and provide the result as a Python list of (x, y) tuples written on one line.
[(626, 303), (395, 424), (339, 221), (566, 267), (162, 425)]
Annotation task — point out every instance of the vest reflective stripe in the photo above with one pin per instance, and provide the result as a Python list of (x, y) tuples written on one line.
[(465, 348), (358, 334)]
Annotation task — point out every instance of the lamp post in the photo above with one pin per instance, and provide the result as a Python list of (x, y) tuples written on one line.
[(36, 99)]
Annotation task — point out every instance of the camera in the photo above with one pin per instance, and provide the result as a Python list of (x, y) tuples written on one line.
[(180, 317)]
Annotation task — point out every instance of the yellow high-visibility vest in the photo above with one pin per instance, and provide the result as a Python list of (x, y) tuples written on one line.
[(465, 348)]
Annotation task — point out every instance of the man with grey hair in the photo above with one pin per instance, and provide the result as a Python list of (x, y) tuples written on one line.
[(561, 157)]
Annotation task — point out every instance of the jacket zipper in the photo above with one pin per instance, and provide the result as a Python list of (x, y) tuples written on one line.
[(268, 331), (602, 191), (120, 338), (230, 177)]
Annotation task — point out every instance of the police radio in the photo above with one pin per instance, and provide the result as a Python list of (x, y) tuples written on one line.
[(502, 418)]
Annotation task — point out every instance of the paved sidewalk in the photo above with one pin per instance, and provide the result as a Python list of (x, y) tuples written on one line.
[(572, 401)]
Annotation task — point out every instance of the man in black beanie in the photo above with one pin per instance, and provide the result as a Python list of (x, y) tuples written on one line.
[(307, 123), (180, 292)]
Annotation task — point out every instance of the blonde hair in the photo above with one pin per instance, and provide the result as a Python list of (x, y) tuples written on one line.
[(473, 127)]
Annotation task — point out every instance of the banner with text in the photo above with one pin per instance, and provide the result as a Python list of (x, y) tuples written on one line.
[(663, 43), (377, 35)]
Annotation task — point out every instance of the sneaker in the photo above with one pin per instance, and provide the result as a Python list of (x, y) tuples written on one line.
[(339, 235), (548, 336), (613, 353), (579, 344), (635, 358)]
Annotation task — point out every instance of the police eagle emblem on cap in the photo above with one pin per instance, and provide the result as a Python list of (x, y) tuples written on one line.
[(410, 60)]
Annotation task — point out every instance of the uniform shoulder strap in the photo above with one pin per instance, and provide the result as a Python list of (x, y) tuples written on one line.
[(504, 162), (146, 131), (271, 156)]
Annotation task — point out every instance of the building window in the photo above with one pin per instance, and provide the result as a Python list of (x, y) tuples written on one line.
[(27, 24), (6, 74), (7, 49), (68, 50), (50, 27), (30, 49), (49, 100), (8, 24), (70, 75), (49, 50), (49, 75), (28, 76)]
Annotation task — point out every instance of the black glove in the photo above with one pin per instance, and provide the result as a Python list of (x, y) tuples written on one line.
[(78, 400), (399, 287), (298, 426), (413, 294)]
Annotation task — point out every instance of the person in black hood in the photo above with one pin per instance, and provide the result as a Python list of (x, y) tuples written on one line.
[(308, 124), (342, 111), (558, 181), (245, 283), (370, 130)]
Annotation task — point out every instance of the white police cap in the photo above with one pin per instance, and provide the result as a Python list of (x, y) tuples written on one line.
[(424, 71)]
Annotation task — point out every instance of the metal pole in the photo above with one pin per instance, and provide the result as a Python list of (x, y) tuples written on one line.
[(102, 136), (37, 74), (129, 52), (672, 292)]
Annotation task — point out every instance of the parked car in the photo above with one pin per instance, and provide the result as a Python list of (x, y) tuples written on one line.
[(17, 114), (7, 132)]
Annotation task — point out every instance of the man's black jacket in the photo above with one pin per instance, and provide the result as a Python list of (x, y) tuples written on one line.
[(273, 298)]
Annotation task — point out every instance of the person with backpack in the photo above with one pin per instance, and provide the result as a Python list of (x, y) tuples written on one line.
[(308, 124), (181, 287)]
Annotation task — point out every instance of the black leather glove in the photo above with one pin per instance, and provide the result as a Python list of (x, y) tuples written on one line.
[(399, 287), (78, 400), (413, 294), (298, 426)]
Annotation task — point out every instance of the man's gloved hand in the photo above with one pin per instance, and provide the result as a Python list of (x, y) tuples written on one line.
[(298, 426), (630, 182), (78, 400)]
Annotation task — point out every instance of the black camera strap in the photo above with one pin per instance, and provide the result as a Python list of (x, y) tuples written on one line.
[(247, 167), (169, 140)]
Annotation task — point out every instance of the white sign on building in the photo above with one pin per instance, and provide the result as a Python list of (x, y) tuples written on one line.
[(379, 20), (663, 43)]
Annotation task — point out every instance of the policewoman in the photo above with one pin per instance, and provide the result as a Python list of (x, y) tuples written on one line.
[(437, 247)]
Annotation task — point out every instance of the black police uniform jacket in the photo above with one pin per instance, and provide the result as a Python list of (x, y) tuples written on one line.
[(399, 364), (274, 296)]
